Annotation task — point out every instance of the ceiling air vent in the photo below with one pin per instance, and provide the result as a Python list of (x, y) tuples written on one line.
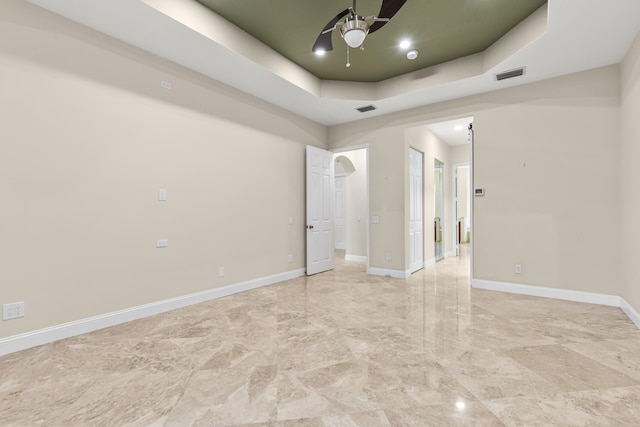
[(366, 108), (510, 74)]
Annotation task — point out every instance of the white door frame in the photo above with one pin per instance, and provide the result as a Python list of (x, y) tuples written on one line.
[(366, 148), (454, 197), (472, 196), (343, 179), (436, 191), (417, 264)]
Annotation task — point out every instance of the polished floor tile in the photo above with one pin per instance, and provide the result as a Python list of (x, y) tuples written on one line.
[(599, 407), (341, 349)]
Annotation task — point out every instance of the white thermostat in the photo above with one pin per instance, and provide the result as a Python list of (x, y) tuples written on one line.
[(479, 191)]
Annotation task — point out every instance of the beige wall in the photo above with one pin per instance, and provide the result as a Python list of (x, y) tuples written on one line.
[(547, 155), (387, 200), (630, 177), (88, 137), (460, 154)]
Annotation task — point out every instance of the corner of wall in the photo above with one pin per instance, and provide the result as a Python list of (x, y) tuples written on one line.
[(629, 158)]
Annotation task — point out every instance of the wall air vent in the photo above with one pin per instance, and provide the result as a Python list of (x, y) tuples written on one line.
[(366, 108), (510, 74)]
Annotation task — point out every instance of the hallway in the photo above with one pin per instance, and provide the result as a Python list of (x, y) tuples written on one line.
[(341, 349)]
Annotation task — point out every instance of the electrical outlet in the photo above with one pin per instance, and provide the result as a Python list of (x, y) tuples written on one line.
[(289, 258), (387, 256), (518, 268), (13, 310), (220, 271)]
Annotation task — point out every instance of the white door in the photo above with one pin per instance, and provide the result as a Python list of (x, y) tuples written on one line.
[(416, 235), (438, 203), (340, 214), (456, 211), (320, 195)]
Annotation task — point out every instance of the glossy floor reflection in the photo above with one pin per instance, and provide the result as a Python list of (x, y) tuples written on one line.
[(341, 349)]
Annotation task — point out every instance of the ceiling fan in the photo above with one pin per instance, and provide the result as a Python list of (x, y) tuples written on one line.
[(354, 28)]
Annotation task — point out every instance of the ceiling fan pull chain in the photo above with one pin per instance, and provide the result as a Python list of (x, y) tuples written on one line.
[(348, 63)]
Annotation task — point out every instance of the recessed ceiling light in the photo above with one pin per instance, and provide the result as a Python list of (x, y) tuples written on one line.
[(412, 54), (404, 44), (320, 52)]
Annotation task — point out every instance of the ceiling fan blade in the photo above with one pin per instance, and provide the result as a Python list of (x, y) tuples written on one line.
[(388, 10), (323, 42)]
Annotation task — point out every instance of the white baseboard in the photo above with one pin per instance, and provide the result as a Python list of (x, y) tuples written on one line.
[(449, 254), (356, 258), (54, 333), (541, 291), (630, 311), (563, 294), (429, 262), (397, 274)]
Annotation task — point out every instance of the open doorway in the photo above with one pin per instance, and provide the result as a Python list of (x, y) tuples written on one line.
[(351, 204), (452, 223), (438, 203)]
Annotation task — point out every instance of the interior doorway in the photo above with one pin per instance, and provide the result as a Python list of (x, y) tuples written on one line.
[(457, 134), (438, 220), (352, 204), (461, 205)]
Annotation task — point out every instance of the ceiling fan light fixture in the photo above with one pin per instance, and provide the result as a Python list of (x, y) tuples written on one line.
[(354, 31)]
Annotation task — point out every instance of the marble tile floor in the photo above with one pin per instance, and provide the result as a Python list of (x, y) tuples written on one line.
[(341, 349)]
